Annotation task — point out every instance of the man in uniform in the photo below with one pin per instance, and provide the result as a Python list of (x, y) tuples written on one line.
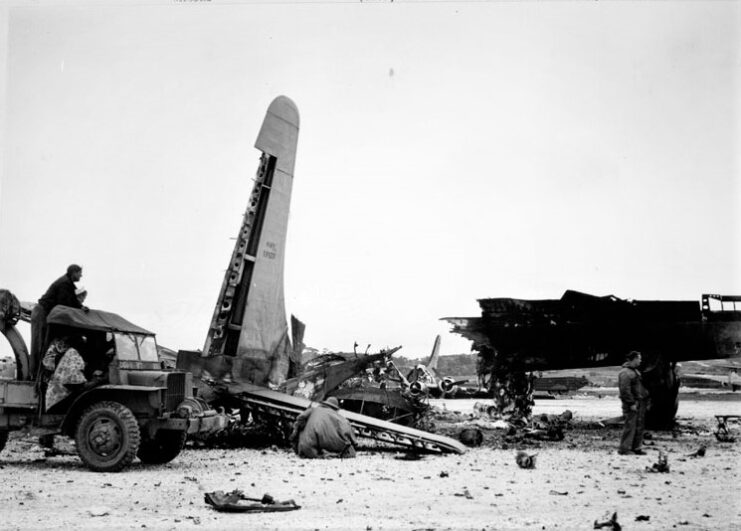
[(323, 428), (633, 396), (61, 291)]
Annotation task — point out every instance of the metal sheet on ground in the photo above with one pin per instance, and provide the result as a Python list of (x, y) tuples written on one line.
[(367, 426)]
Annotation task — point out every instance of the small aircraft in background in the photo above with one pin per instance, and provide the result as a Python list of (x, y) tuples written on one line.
[(424, 379)]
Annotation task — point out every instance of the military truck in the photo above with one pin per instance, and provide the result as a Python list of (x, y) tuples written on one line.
[(133, 408)]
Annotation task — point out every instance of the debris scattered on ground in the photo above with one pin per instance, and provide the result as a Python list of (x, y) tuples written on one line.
[(610, 523), (559, 493), (551, 434), (234, 502), (662, 465), (471, 437), (99, 511), (700, 452), (410, 456), (525, 460), (465, 494), (642, 518), (483, 409), (485, 424)]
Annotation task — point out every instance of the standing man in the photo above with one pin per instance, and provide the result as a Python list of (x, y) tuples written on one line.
[(633, 395), (62, 291)]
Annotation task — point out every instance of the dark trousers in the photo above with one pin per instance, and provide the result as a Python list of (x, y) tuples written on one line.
[(38, 339), (632, 437)]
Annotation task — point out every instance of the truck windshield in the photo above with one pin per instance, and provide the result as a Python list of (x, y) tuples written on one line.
[(134, 347)]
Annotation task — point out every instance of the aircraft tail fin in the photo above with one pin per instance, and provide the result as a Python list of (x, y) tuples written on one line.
[(432, 363), (249, 321)]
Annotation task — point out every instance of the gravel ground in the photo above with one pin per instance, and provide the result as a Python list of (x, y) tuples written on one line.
[(576, 481)]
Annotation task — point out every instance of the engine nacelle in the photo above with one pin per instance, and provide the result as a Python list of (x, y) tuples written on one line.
[(417, 388), (447, 386)]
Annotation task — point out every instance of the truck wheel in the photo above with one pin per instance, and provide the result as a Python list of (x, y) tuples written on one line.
[(163, 448), (3, 439), (107, 437)]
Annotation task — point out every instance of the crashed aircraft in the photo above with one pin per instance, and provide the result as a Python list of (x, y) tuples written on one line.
[(250, 361), (516, 336)]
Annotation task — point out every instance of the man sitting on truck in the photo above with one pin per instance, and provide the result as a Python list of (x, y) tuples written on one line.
[(69, 374), (61, 291), (53, 356)]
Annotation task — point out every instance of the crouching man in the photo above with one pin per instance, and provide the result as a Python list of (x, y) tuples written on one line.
[(323, 429)]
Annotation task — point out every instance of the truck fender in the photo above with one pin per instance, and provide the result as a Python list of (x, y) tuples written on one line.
[(139, 399)]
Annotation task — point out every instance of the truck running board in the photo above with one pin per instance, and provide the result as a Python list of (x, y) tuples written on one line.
[(285, 407)]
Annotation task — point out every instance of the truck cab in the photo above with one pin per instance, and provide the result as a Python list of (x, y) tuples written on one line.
[(129, 406)]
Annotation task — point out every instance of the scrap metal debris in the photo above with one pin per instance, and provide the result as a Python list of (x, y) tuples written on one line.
[(642, 518), (700, 452), (233, 502), (723, 432), (525, 460), (409, 456), (612, 523), (662, 466), (465, 494), (471, 437), (549, 427)]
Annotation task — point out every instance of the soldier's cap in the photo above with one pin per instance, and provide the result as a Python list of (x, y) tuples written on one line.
[(331, 402), (633, 354)]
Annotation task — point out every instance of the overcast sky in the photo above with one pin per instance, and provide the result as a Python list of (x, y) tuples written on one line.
[(448, 151)]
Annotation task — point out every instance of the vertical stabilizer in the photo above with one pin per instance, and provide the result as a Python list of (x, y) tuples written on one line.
[(432, 364), (248, 339)]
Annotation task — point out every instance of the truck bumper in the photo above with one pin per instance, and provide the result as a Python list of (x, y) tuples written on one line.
[(203, 423), (210, 422)]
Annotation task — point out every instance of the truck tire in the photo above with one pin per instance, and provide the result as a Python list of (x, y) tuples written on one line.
[(163, 448), (3, 439), (107, 437)]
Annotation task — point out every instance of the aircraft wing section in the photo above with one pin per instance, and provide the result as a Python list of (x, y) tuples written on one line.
[(273, 403)]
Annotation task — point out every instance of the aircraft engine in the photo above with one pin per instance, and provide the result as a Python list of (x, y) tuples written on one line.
[(447, 386), (417, 388)]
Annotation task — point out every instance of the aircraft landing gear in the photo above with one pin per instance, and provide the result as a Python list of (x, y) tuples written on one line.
[(662, 382)]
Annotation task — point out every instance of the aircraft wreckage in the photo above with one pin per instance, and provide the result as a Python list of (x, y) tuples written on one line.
[(249, 362), (516, 336)]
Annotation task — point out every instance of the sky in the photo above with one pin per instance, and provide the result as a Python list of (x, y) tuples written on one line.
[(448, 152)]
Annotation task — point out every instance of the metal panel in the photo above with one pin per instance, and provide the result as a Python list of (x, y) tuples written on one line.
[(175, 390), (18, 394)]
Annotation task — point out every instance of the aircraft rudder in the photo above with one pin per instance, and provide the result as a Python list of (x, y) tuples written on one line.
[(278, 135)]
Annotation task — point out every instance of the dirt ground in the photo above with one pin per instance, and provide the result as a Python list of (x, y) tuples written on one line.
[(576, 482)]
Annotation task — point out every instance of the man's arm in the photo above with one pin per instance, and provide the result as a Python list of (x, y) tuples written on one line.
[(625, 385), (299, 424), (66, 295)]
